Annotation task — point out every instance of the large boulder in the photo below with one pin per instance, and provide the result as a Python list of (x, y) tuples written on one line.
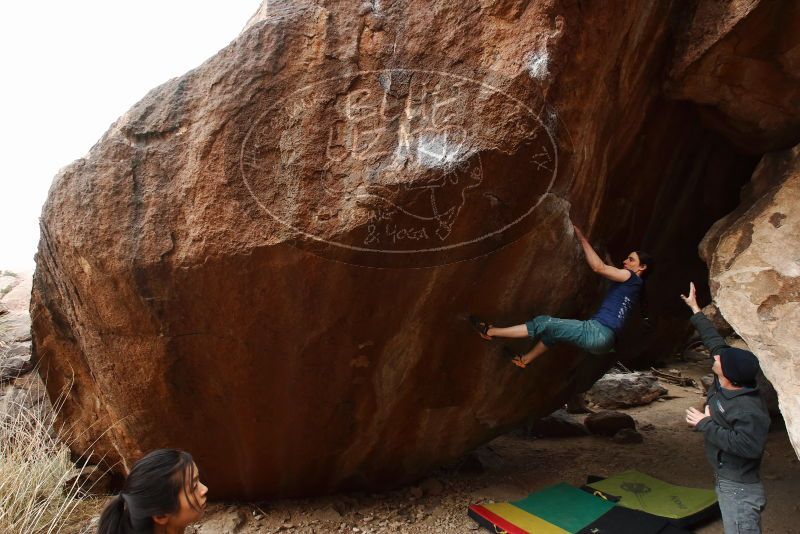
[(755, 276), (269, 260)]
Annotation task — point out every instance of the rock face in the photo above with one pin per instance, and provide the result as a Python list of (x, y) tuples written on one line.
[(712, 312), (741, 61), (15, 326), (755, 276), (269, 260), (22, 393)]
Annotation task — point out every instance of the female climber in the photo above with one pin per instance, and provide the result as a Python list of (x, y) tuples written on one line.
[(162, 495), (596, 335)]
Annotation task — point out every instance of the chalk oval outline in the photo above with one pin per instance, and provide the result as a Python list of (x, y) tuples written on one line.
[(383, 251)]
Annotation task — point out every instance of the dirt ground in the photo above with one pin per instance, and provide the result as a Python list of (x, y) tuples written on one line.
[(513, 466)]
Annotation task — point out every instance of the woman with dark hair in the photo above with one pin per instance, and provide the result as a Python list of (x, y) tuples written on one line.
[(598, 334), (162, 495)]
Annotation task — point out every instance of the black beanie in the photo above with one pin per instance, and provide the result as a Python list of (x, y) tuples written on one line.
[(739, 366)]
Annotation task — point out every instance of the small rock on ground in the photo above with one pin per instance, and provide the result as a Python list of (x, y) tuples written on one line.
[(608, 423)]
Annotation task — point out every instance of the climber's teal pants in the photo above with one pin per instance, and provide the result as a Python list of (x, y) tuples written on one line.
[(588, 335)]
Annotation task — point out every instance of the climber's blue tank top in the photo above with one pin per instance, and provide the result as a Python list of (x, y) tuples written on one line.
[(618, 303)]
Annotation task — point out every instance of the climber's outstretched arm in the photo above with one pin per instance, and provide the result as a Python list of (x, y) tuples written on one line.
[(597, 265)]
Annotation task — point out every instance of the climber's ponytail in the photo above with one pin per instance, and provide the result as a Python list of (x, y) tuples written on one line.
[(648, 261), (115, 518)]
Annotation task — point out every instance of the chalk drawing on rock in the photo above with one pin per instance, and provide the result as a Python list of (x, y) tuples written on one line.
[(392, 159)]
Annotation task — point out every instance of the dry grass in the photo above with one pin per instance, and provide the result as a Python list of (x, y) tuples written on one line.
[(35, 468)]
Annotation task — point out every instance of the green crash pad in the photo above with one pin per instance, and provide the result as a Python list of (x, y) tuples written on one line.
[(638, 491), (564, 506)]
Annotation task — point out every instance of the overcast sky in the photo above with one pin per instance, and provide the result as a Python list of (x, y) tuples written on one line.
[(70, 69)]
